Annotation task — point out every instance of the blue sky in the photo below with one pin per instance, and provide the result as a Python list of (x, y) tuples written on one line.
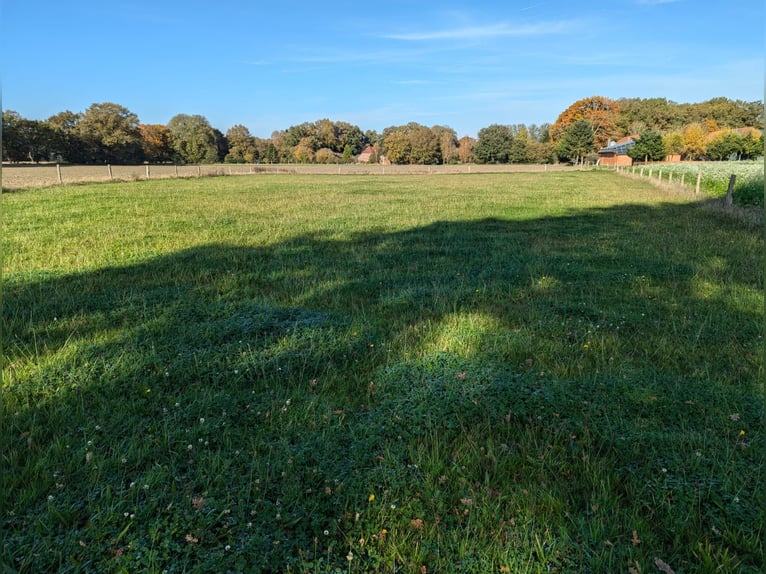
[(272, 64)]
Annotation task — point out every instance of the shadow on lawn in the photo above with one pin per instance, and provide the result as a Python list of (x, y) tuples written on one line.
[(647, 297)]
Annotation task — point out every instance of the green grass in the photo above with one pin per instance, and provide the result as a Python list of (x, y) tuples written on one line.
[(749, 183), (471, 373)]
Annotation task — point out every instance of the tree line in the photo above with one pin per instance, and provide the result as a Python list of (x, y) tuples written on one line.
[(110, 133)]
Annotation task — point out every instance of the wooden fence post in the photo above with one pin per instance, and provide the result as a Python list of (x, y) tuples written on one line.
[(109, 170), (147, 171), (58, 171), (176, 166), (699, 180), (730, 191)]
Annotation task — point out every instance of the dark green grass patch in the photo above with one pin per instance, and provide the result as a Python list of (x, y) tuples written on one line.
[(524, 373)]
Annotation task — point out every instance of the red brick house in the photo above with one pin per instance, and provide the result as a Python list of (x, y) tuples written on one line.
[(616, 153)]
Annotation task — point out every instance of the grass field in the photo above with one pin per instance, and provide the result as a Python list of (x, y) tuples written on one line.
[(548, 372)]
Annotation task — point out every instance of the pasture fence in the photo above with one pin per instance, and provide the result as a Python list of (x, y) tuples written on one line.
[(669, 178), (695, 182), (20, 176)]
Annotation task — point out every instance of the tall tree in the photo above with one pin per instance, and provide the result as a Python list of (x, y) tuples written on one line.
[(157, 143), (724, 146), (465, 149), (14, 146), (304, 151), (270, 152), (350, 136), (541, 152), (326, 135), (27, 140), (601, 113), (576, 142), (674, 143), (111, 133), (493, 144), (221, 145), (541, 133), (69, 144), (694, 141), (448, 143), (648, 147), (397, 147), (519, 150), (424, 146), (326, 155), (241, 145), (653, 114), (752, 146), (194, 140)]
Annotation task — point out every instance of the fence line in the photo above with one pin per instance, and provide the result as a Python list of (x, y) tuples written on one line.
[(17, 176), (748, 215), (667, 182)]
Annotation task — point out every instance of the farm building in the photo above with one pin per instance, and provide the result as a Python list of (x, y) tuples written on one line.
[(616, 153), (369, 155)]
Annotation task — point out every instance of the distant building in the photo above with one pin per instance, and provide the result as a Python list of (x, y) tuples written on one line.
[(616, 153), (367, 154), (370, 155)]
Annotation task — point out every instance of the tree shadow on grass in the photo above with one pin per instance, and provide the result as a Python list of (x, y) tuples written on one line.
[(282, 384)]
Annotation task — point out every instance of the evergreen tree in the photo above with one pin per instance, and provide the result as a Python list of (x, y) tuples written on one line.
[(648, 147), (576, 142)]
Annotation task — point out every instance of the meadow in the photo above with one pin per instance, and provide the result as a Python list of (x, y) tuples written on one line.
[(520, 372), (714, 178)]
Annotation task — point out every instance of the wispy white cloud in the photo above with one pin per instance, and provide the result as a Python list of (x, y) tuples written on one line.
[(500, 30), (531, 6), (653, 2)]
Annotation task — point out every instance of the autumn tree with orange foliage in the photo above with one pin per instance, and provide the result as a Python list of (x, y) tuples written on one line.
[(602, 113), (157, 142)]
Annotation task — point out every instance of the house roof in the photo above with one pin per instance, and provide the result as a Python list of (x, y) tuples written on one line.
[(620, 147)]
